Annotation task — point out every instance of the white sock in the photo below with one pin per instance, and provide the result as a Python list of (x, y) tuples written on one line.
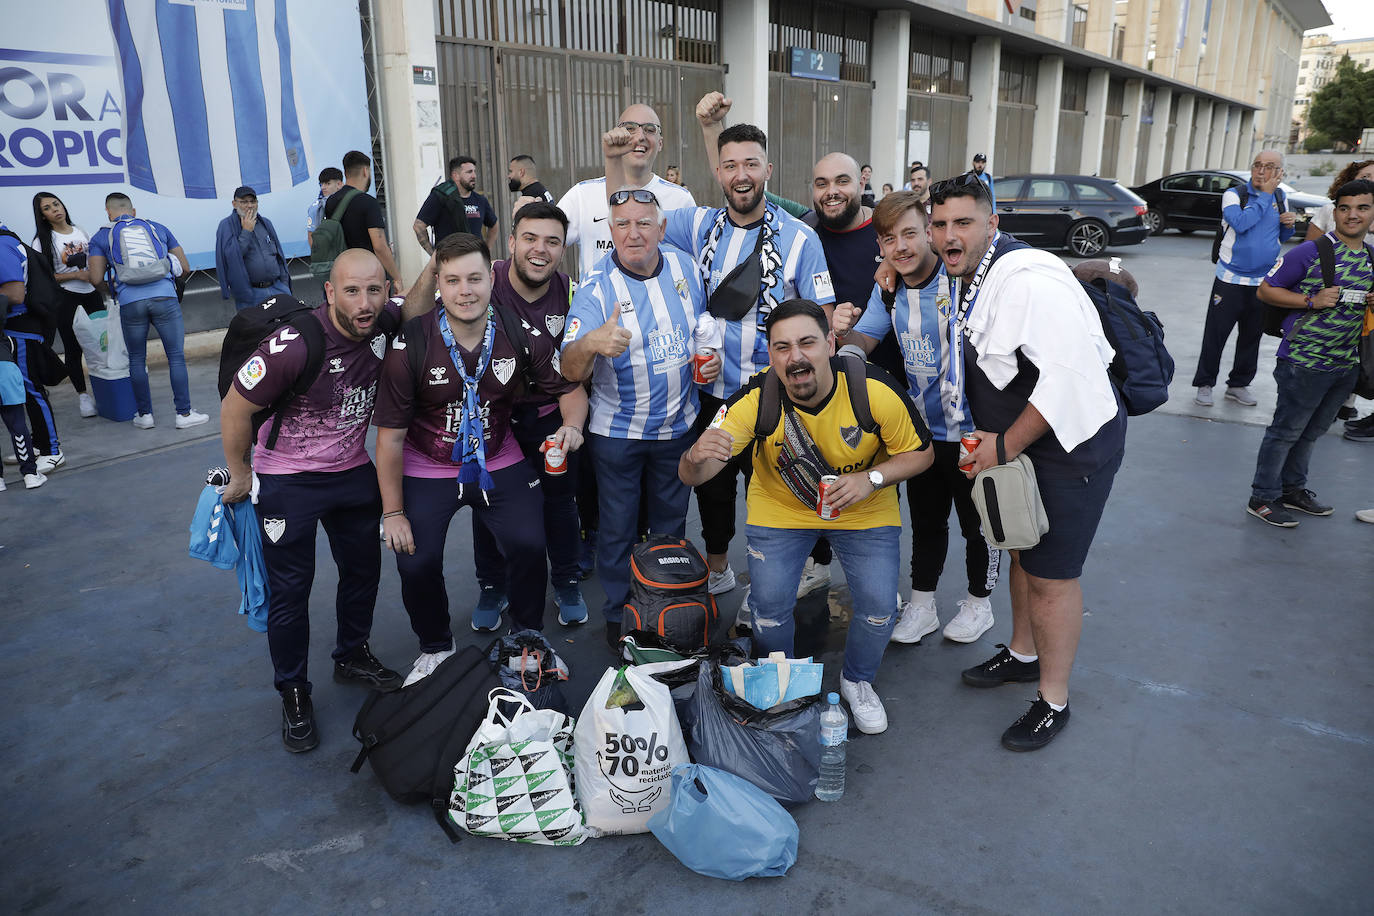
[(921, 597), (1022, 658), (1057, 707)]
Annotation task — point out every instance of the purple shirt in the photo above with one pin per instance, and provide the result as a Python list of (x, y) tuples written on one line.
[(325, 429), (546, 315), (428, 408)]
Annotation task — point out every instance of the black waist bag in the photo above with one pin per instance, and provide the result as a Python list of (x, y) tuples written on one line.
[(414, 736), (668, 595)]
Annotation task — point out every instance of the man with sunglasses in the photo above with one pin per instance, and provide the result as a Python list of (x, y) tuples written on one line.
[(1254, 227), (1034, 371), (751, 256), (630, 330)]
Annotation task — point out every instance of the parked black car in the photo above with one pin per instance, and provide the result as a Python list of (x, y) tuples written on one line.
[(1082, 213), (1189, 201)]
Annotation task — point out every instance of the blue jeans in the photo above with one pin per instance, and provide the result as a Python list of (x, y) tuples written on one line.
[(163, 313), (871, 560), (1306, 407), (623, 468)]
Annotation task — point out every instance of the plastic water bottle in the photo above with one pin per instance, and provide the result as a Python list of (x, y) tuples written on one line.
[(834, 732)]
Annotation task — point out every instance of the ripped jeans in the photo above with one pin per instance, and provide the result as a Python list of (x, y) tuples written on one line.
[(871, 560)]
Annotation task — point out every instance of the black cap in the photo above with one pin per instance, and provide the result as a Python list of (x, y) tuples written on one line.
[(245, 191), (979, 157)]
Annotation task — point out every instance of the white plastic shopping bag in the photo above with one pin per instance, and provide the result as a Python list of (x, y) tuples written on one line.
[(102, 340), (626, 745)]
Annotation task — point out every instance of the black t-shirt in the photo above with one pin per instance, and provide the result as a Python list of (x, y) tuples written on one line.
[(363, 213), (853, 256), (439, 209), (537, 189)]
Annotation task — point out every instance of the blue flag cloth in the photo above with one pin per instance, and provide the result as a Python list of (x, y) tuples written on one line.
[(228, 537), (469, 446)]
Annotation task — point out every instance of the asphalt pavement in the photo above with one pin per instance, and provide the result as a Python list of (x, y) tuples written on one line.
[(1217, 761)]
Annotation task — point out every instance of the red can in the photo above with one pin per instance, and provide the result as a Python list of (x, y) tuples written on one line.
[(823, 507), (699, 359), (968, 444), (555, 459)]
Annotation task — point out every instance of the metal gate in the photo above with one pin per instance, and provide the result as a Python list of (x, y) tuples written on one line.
[(808, 119), (946, 118)]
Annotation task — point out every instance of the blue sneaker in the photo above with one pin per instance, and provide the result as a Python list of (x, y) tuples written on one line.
[(486, 617), (572, 610), (586, 563)]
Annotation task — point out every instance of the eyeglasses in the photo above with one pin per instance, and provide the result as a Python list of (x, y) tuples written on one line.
[(1264, 167), (638, 196), (953, 187), (632, 126)]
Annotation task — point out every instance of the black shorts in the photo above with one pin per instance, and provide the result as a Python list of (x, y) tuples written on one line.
[(1074, 507)]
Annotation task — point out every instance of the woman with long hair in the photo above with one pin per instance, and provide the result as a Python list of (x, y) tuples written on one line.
[(64, 245)]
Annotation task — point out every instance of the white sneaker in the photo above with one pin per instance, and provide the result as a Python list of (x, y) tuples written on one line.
[(718, 583), (973, 620), (34, 481), (745, 617), (143, 421), (1241, 396), (187, 420), (916, 621), (49, 463), (1365, 515), (2, 485), (86, 405), (814, 576), (1203, 396), (424, 665), (869, 715)]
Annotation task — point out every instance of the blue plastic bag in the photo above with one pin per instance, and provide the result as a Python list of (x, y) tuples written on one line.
[(722, 826)]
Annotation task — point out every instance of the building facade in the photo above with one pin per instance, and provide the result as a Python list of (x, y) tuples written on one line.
[(1316, 68)]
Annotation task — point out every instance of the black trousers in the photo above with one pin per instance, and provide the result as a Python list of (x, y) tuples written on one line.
[(1238, 307), (71, 350), (290, 507), (929, 496)]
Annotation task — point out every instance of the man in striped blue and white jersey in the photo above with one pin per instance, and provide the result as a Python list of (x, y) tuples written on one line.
[(752, 256), (209, 97), (923, 319), (630, 329)]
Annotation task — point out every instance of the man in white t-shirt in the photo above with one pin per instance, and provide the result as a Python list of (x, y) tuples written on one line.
[(585, 203)]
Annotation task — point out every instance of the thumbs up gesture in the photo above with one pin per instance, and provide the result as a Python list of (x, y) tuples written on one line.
[(611, 339)]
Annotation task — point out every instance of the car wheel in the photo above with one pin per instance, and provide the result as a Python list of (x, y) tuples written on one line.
[(1155, 221), (1088, 239), (1186, 231)]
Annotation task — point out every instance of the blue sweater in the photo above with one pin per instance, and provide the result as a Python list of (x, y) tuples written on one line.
[(1252, 238)]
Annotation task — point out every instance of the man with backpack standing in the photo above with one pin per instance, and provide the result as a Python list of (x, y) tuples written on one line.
[(144, 257), (808, 416), (1325, 286), (317, 374), (352, 218), (1255, 223), (455, 206), (1035, 372), (444, 441)]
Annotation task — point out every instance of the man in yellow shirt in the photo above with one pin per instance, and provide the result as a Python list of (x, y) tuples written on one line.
[(871, 438)]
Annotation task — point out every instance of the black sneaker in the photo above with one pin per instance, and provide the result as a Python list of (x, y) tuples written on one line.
[(1271, 513), (362, 667), (1002, 669), (1362, 424), (298, 721), (613, 638), (1346, 412), (1305, 501), (1036, 727)]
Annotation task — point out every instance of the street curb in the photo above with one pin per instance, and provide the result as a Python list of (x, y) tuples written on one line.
[(200, 345)]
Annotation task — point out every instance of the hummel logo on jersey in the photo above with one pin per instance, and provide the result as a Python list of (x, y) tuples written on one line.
[(438, 373), (278, 343), (399, 343), (274, 528), (335, 365), (627, 306)]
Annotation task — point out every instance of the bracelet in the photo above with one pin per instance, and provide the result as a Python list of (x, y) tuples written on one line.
[(393, 514), (1308, 299)]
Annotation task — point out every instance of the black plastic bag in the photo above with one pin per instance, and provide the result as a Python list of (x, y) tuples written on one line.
[(777, 749), (526, 663)]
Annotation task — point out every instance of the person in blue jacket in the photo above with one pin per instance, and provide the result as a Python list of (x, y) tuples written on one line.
[(248, 254)]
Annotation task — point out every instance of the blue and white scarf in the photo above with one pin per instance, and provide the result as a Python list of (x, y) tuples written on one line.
[(469, 446)]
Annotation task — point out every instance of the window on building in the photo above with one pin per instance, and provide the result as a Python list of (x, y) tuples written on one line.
[(1305, 63), (1027, 13), (939, 63), (1016, 81), (1073, 94), (1079, 35), (826, 25), (1302, 81)]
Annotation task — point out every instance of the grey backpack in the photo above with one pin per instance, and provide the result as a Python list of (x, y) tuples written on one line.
[(138, 254)]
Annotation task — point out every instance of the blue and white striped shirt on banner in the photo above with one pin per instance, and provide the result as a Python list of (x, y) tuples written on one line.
[(804, 275), (647, 391), (209, 97), (922, 319)]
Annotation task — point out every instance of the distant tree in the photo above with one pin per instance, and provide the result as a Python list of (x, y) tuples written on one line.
[(1317, 141), (1345, 106)]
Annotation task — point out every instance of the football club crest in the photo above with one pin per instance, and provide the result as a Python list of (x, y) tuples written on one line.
[(503, 369), (379, 346), (851, 435), (554, 323), (274, 528)]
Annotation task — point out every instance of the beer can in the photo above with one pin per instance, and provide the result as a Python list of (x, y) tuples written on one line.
[(555, 459), (823, 507), (967, 445), (699, 359)]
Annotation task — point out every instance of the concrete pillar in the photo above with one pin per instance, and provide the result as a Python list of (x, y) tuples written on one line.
[(1137, 40), (1098, 39), (984, 67), (1166, 38), (1218, 136), (1190, 58), (1255, 72), (1049, 86), (1155, 165), (744, 46), (1245, 148), (891, 69), (1232, 137), (1202, 134), (1183, 139), (1217, 41), (412, 137), (1054, 20), (1129, 147), (1095, 122)]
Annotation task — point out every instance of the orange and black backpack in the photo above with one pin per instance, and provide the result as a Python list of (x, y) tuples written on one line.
[(668, 593)]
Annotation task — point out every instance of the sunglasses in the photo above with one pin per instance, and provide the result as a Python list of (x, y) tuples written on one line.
[(632, 126), (639, 196), (953, 187)]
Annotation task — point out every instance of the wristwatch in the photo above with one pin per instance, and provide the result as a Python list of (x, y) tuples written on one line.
[(875, 477)]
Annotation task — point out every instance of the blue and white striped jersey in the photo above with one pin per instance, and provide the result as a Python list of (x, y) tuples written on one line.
[(209, 96), (804, 274), (921, 317), (646, 392)]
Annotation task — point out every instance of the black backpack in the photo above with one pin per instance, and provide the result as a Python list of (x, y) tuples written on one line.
[(668, 595), (1326, 257), (1243, 191), (415, 736), (1142, 368), (770, 399), (250, 327), (42, 292), (327, 239)]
